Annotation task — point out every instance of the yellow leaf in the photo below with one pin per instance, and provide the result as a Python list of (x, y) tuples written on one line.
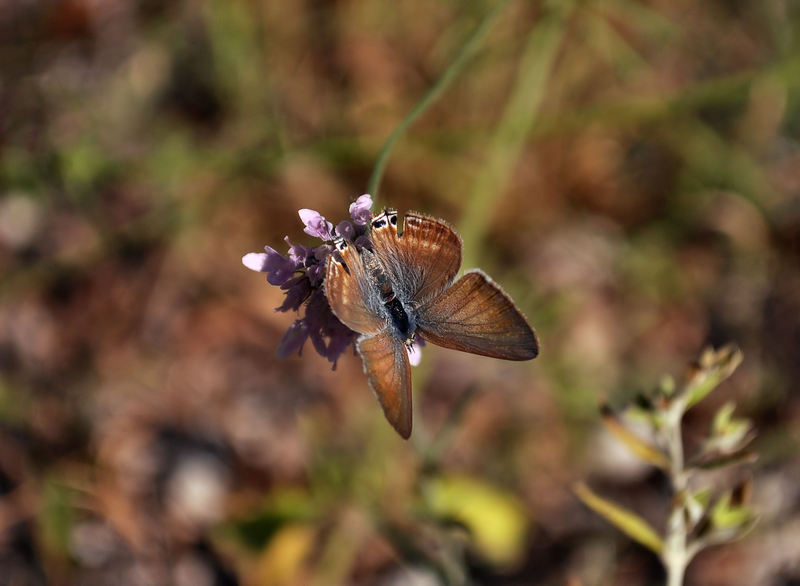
[(626, 521), (496, 520), (282, 561), (639, 447)]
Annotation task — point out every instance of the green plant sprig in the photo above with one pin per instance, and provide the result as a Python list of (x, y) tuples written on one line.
[(700, 516)]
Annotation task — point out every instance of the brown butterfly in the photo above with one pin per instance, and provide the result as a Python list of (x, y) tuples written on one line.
[(403, 288)]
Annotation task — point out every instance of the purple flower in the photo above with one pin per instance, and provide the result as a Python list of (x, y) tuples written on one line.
[(294, 339), (359, 209), (321, 252), (301, 275), (316, 274), (316, 224), (363, 242), (298, 253), (298, 289), (340, 338), (279, 269), (322, 325), (345, 230)]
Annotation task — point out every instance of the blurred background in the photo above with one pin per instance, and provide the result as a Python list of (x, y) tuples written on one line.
[(628, 171)]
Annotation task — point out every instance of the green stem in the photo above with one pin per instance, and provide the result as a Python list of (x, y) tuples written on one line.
[(462, 58), (675, 555)]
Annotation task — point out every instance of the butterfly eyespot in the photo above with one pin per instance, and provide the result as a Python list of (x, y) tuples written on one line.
[(393, 219), (378, 223)]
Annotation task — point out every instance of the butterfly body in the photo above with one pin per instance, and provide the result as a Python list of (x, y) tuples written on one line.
[(401, 321), (405, 287), (379, 295)]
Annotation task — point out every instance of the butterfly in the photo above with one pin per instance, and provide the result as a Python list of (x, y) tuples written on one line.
[(404, 287)]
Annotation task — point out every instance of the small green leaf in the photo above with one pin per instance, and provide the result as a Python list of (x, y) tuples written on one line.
[(667, 386), (639, 447), (645, 410), (726, 425), (725, 515), (626, 521), (729, 436), (712, 368), (722, 418)]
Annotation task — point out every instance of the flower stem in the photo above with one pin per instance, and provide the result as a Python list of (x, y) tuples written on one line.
[(464, 55)]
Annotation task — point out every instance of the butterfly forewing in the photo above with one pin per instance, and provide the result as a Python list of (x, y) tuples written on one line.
[(475, 315), (388, 371), (349, 293), (423, 260)]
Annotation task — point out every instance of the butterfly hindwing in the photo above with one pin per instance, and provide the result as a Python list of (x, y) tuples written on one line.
[(388, 371), (475, 315)]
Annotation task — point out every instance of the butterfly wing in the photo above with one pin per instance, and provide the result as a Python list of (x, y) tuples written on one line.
[(475, 315), (388, 371), (349, 291), (423, 260)]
